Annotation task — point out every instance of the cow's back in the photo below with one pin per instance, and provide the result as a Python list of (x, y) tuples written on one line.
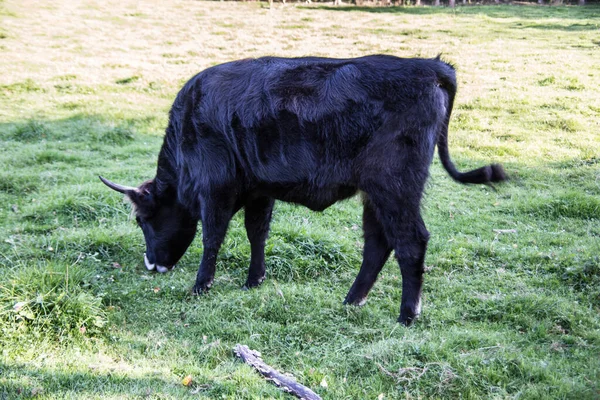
[(301, 121)]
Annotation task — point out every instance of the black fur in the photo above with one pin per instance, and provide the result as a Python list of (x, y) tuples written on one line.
[(311, 131)]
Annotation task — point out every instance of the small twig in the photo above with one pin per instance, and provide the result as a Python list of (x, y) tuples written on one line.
[(399, 377), (287, 383), (499, 231), (79, 258), (385, 371), (488, 348), (278, 290)]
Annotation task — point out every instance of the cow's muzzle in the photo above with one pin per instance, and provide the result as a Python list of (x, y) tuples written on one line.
[(151, 267)]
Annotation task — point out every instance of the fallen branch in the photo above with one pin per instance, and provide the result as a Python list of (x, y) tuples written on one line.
[(287, 383)]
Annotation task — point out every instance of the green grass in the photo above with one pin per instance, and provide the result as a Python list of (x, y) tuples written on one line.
[(512, 290)]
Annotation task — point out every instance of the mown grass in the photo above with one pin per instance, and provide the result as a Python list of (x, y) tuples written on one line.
[(512, 290)]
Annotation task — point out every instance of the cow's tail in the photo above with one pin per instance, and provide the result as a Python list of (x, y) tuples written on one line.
[(488, 174)]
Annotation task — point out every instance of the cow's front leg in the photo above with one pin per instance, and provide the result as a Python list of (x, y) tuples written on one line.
[(215, 219), (375, 254), (257, 219)]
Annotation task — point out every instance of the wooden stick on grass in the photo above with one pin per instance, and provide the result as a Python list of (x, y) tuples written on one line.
[(287, 383)]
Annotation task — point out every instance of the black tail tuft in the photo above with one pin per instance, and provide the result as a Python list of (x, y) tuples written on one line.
[(488, 174), (484, 175), (498, 174)]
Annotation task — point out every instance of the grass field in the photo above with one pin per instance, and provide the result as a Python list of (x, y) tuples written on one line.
[(85, 89)]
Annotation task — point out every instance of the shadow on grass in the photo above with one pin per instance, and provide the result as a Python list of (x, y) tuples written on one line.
[(559, 27), (493, 11), (81, 127), (39, 153)]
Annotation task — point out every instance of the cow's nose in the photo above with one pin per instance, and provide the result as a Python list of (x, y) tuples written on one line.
[(162, 269), (149, 266), (152, 266)]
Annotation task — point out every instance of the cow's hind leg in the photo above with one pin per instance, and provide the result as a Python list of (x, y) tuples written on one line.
[(257, 219), (215, 219), (407, 235), (411, 258), (375, 254)]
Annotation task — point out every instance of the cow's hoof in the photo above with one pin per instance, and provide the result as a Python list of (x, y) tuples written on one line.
[(355, 301), (407, 319), (252, 283), (201, 288)]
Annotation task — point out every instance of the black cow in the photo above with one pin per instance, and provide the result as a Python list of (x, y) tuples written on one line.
[(311, 131)]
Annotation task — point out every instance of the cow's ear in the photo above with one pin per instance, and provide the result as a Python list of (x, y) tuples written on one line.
[(143, 198)]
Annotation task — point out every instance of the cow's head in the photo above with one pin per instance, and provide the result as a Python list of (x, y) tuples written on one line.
[(168, 227)]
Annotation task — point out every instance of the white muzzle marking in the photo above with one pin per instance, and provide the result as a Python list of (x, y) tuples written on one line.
[(151, 267), (161, 269)]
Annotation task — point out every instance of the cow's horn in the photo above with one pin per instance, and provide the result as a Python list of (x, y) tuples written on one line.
[(117, 187)]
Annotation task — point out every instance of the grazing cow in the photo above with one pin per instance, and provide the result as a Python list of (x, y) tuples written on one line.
[(311, 131)]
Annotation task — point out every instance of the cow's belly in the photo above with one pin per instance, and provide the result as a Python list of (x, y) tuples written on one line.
[(313, 197)]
